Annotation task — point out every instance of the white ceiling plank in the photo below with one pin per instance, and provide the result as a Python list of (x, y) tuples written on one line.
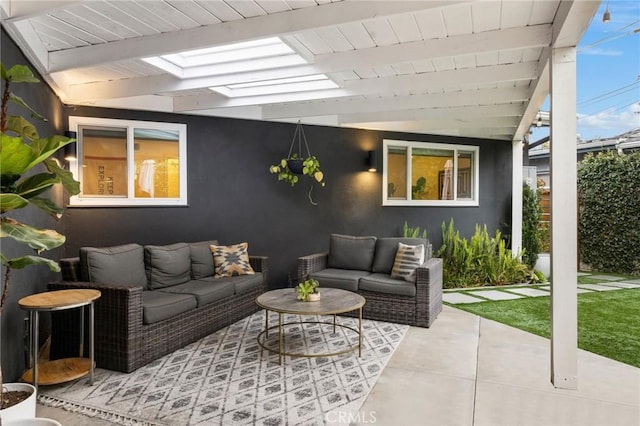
[(543, 12), (51, 39), (194, 11), (313, 42), (246, 8), (384, 71), (457, 19), (516, 13), (403, 69), (334, 39), (21, 9), (273, 6), (381, 32), (466, 61), (366, 73), (234, 31), (423, 66), (486, 16), (405, 28), (442, 100), (509, 56), (494, 125), (220, 10), (357, 35), (101, 21), (169, 14), (84, 25), (144, 14), (463, 114), (431, 24), (487, 59), (63, 32), (24, 34), (443, 64), (113, 10)]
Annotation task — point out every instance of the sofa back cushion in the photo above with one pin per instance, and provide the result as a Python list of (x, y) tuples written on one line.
[(119, 265), (167, 265), (348, 252), (386, 249), (202, 259)]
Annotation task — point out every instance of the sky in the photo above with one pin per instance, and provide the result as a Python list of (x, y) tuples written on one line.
[(608, 74)]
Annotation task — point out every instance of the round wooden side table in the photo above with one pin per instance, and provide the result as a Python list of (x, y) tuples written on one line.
[(59, 370)]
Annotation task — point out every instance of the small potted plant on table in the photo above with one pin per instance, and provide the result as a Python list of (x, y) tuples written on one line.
[(308, 290)]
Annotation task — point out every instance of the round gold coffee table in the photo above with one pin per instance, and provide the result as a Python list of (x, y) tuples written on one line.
[(333, 301)]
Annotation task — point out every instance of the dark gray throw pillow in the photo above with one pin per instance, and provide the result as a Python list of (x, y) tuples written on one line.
[(119, 265), (349, 252), (167, 265), (202, 259)]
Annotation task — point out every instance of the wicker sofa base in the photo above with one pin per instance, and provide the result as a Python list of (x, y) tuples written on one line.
[(124, 343)]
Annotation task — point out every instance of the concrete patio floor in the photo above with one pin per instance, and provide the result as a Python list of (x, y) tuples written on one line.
[(466, 370)]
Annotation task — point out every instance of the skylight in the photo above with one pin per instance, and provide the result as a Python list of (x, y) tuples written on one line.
[(266, 54)]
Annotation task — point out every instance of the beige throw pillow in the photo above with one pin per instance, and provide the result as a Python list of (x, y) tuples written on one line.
[(408, 258), (231, 260)]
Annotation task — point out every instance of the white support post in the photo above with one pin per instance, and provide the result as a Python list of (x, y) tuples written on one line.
[(564, 213), (516, 197)]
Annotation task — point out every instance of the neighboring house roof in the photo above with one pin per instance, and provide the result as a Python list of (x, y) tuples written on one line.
[(626, 141)]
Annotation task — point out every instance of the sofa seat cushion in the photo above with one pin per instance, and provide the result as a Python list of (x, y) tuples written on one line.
[(386, 249), (167, 265), (119, 265), (205, 292), (241, 283), (202, 259), (159, 305), (383, 283), (347, 252), (345, 279)]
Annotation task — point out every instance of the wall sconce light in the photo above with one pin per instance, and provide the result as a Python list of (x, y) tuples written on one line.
[(606, 16), (70, 150), (371, 161)]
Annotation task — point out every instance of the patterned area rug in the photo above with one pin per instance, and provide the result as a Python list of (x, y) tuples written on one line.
[(225, 379)]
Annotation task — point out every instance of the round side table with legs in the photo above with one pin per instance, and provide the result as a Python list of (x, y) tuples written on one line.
[(59, 370)]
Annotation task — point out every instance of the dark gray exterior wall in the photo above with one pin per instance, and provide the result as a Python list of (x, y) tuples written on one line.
[(233, 197), (32, 279)]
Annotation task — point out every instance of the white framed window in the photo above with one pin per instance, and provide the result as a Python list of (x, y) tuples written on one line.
[(129, 163), (429, 174)]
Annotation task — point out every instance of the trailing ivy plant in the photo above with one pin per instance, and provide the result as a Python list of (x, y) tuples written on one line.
[(609, 222), (27, 171), (531, 215)]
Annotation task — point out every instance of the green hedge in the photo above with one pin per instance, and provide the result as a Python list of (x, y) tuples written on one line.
[(609, 223), (531, 214)]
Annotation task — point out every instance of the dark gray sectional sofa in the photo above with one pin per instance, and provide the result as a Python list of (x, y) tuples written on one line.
[(155, 299), (363, 265)]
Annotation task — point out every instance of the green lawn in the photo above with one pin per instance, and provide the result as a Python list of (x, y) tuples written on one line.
[(608, 321)]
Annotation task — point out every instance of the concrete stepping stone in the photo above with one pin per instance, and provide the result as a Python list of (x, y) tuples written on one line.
[(582, 274), (598, 287), (580, 290), (531, 292), (495, 295), (605, 277), (632, 281), (456, 297), (623, 284)]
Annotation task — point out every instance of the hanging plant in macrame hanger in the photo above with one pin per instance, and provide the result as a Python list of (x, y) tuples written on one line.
[(294, 165)]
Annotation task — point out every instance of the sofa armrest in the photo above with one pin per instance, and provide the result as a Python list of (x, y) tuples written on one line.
[(428, 291), (311, 263), (261, 264), (118, 325)]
